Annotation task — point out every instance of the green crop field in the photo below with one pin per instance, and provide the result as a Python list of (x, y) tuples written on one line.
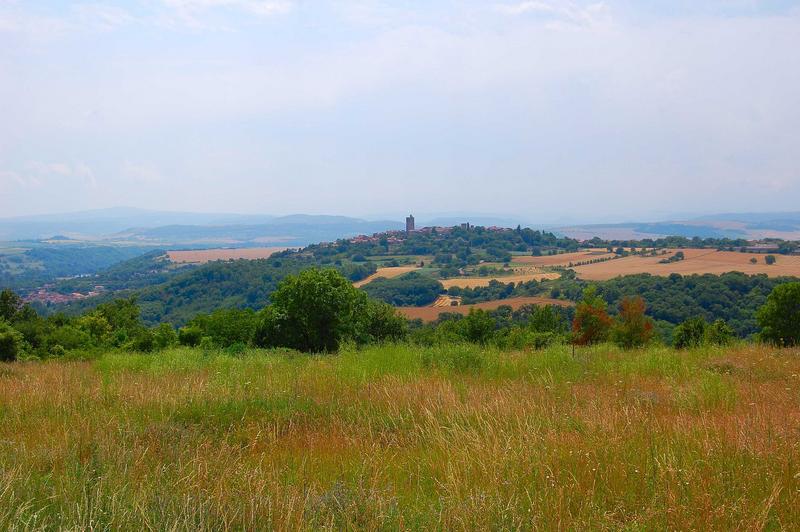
[(404, 437)]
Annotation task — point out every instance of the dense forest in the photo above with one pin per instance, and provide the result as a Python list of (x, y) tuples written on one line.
[(733, 297), (411, 289), (184, 293), (167, 292), (24, 269)]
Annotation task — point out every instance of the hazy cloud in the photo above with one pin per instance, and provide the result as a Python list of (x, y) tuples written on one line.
[(335, 106), (561, 10)]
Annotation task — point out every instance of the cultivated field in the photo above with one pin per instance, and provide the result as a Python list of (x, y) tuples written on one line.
[(200, 256), (563, 259), (697, 261), (432, 313), (398, 437), (387, 273), (472, 282)]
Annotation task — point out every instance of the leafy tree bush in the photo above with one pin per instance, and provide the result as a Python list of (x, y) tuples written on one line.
[(313, 311), (226, 327), (632, 328), (164, 336), (720, 333), (478, 326), (10, 305), (545, 319), (779, 318), (70, 338), (592, 323), (770, 259), (380, 322), (690, 333), (190, 336), (144, 341), (411, 289), (96, 326), (11, 342)]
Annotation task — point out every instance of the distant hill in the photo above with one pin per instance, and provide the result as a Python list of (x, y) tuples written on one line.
[(186, 229), (95, 224), (752, 226), (295, 230), (179, 229), (23, 268)]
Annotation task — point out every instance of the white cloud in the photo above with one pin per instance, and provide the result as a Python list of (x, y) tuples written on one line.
[(614, 110), (101, 17), (195, 13), (42, 172), (559, 10), (140, 173), (15, 178)]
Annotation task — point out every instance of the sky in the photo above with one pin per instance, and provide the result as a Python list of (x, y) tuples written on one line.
[(548, 110)]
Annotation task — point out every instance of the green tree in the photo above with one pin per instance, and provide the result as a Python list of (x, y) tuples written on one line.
[(96, 326), (123, 315), (632, 328), (380, 322), (478, 326), (770, 259), (144, 340), (190, 336), (313, 311), (226, 327), (779, 318), (544, 319), (164, 336), (720, 333), (690, 333), (592, 322), (11, 342), (10, 305)]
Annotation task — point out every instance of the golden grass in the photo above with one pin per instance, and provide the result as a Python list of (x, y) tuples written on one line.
[(432, 313), (564, 259), (389, 438), (697, 261), (201, 256), (473, 282), (387, 273)]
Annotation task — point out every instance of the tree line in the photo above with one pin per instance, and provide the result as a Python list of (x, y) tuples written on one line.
[(319, 309)]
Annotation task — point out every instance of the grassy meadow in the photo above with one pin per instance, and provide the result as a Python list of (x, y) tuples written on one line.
[(404, 437)]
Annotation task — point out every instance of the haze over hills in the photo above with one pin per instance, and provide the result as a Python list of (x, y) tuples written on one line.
[(149, 227), (141, 226), (754, 226)]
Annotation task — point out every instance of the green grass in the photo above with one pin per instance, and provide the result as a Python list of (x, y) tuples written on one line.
[(403, 437)]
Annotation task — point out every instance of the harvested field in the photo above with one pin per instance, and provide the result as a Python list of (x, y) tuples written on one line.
[(446, 301), (697, 261), (386, 273), (563, 259), (432, 313), (472, 282), (200, 256)]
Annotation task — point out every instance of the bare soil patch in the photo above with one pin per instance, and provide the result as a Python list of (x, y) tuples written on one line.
[(564, 259), (697, 261)]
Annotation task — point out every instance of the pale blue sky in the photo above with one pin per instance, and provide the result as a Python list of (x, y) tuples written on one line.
[(545, 109)]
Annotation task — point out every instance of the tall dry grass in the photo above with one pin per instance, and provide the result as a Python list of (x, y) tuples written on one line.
[(399, 437)]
